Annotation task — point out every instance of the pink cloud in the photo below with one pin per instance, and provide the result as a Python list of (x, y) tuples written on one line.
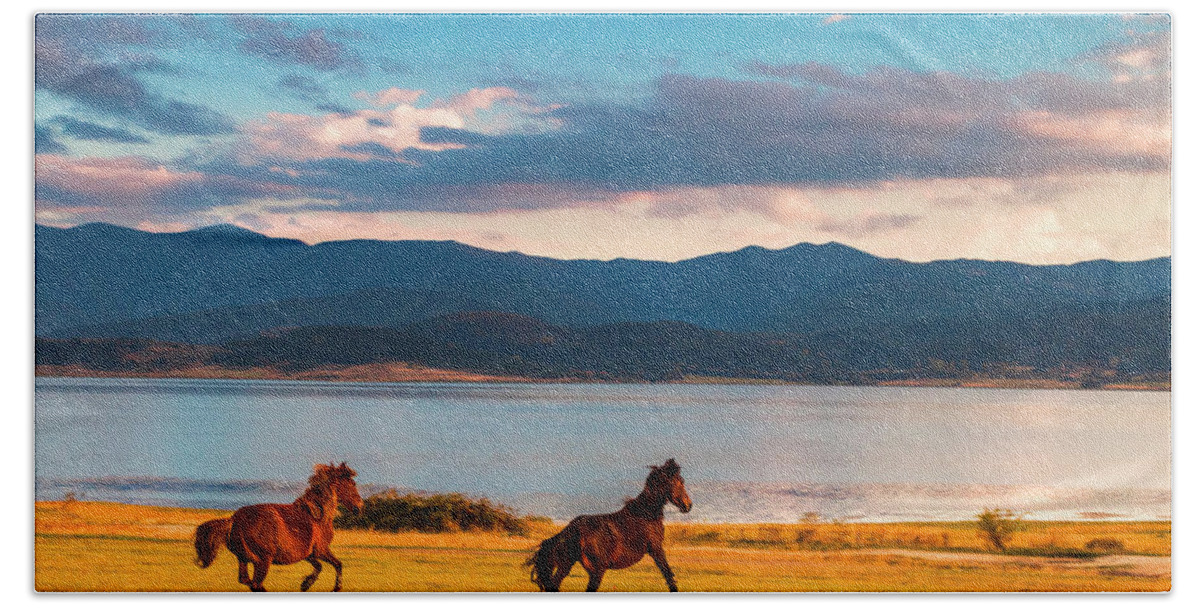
[(305, 137), (396, 126), (478, 99), (109, 178), (1141, 56), (1111, 132)]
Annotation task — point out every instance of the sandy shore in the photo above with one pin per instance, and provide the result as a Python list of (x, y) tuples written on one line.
[(407, 372)]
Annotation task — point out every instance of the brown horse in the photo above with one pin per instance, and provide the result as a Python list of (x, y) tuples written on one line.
[(284, 534), (615, 540)]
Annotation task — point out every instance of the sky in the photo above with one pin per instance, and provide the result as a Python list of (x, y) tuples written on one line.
[(1033, 138)]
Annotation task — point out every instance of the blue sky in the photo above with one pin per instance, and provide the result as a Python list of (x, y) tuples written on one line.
[(1037, 138)]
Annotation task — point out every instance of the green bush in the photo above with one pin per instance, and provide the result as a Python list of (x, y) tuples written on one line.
[(392, 512), (998, 526)]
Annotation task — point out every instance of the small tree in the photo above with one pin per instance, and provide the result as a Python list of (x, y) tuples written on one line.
[(998, 526)]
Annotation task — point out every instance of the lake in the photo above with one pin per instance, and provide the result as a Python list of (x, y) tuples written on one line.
[(749, 452)]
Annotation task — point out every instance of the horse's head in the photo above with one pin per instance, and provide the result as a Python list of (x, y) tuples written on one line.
[(340, 481), (666, 481)]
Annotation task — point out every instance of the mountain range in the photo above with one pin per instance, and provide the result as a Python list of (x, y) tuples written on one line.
[(813, 306)]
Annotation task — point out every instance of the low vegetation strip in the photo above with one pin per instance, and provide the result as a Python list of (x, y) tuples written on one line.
[(1079, 539), (393, 512)]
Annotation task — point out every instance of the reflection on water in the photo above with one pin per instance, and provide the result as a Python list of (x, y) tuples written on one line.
[(750, 453)]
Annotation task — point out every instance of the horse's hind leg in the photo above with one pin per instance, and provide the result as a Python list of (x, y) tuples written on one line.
[(594, 578), (561, 570), (312, 578), (244, 572), (260, 575)]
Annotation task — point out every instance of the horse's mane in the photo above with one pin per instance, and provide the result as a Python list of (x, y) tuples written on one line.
[(323, 473), (659, 475), (319, 496), (657, 478)]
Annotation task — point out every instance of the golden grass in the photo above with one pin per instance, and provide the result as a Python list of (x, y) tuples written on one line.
[(82, 546), (1140, 538)]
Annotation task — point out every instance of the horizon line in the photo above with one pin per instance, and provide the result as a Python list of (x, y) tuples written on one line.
[(587, 259)]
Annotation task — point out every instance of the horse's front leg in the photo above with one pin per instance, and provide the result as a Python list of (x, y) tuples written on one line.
[(660, 560), (337, 567), (312, 578)]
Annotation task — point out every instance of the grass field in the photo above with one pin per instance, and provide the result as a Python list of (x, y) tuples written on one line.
[(83, 546)]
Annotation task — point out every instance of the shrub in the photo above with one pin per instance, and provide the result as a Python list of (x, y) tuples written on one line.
[(1105, 545), (709, 536), (803, 535), (758, 543), (998, 526), (392, 512)]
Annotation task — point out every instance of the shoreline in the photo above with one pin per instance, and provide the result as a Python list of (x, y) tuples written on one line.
[(112, 505), (669, 521), (409, 373), (872, 504)]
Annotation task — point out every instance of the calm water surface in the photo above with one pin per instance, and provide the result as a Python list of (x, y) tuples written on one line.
[(750, 453)]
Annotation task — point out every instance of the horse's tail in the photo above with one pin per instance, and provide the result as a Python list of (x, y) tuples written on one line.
[(561, 550), (210, 536)]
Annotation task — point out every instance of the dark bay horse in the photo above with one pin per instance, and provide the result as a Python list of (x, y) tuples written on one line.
[(615, 540), (284, 534)]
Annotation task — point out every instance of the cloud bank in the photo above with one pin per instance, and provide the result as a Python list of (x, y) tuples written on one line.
[(768, 151)]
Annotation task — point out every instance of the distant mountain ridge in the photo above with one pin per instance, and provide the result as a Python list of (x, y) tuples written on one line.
[(219, 283), (1078, 349)]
